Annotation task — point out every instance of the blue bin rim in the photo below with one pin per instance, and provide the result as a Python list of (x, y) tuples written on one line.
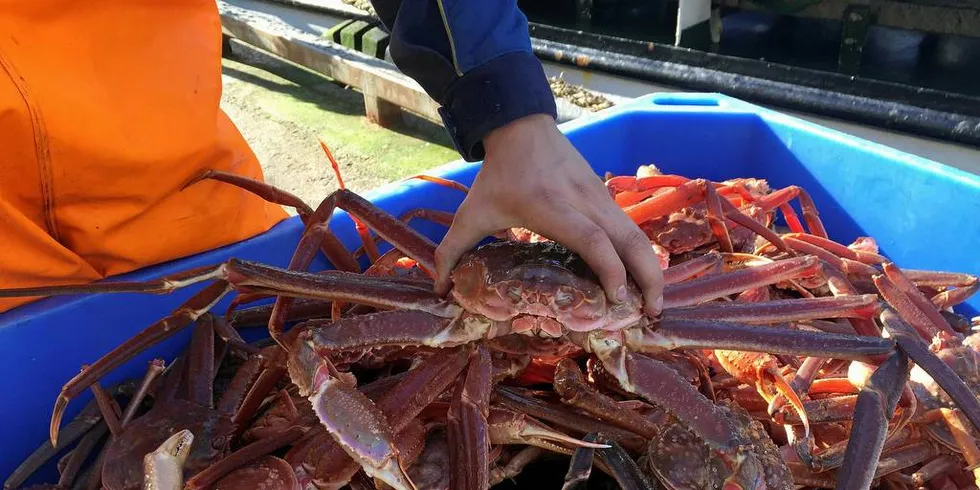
[(706, 102)]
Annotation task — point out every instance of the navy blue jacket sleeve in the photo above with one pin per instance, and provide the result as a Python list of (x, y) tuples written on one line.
[(474, 58)]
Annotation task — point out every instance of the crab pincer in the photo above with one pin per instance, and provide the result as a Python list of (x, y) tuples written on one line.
[(164, 467), (349, 416)]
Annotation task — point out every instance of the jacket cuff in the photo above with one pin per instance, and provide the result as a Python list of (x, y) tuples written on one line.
[(498, 92)]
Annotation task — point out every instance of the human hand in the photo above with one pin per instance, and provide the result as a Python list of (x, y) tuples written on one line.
[(533, 177)]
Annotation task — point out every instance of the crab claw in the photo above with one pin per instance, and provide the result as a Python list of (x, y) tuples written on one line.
[(788, 393), (163, 469), (360, 428), (351, 418), (510, 427)]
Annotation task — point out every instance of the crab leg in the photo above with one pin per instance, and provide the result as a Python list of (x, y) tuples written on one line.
[(570, 384), (81, 452), (399, 234), (686, 270), (683, 196), (965, 441), (833, 456), (864, 306), (672, 334), (875, 405), (244, 456), (350, 417), (560, 415), (74, 430), (695, 190), (890, 463), (842, 264), (467, 431), (911, 343), (840, 287), (580, 467), (363, 213), (932, 469), (443, 218), (665, 388), (512, 427), (918, 300), (399, 327), (786, 194), (302, 309), (948, 299), (273, 472), (838, 249), (362, 231), (629, 190), (184, 316), (716, 286), (331, 247), (621, 466), (940, 278), (400, 405), (155, 369)]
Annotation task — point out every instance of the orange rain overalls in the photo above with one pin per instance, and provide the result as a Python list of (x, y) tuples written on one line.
[(106, 110)]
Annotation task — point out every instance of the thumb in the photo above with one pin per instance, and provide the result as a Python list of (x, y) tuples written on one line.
[(464, 233)]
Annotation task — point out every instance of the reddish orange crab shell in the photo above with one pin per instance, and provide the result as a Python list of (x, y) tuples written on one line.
[(539, 287)]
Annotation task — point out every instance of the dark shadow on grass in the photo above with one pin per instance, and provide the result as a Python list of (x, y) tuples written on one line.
[(327, 94)]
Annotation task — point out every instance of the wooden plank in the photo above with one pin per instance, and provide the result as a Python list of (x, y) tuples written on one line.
[(375, 78)]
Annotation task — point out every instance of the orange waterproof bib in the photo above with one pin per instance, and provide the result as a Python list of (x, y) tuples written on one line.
[(106, 110)]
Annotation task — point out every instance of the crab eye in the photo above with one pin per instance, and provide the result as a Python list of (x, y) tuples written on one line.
[(563, 299), (514, 293)]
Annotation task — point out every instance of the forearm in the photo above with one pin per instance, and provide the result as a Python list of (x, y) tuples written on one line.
[(474, 58)]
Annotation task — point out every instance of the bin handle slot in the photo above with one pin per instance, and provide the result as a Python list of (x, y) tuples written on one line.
[(681, 99)]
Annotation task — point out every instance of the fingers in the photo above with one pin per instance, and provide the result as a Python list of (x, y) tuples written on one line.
[(571, 228), (610, 243), (634, 248), (466, 231)]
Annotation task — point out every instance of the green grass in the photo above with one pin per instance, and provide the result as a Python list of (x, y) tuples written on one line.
[(312, 103)]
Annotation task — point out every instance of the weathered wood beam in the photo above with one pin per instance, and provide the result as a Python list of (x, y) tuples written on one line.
[(385, 90)]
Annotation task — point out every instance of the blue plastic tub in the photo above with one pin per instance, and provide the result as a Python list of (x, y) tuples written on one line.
[(922, 213)]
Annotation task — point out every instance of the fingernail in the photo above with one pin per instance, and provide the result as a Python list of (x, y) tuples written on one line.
[(621, 294), (658, 305)]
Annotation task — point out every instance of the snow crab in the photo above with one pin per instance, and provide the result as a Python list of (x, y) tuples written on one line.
[(506, 288)]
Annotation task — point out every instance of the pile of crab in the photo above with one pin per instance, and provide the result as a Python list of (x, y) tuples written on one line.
[(781, 359)]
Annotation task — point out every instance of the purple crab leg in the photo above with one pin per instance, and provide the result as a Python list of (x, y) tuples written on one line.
[(514, 466), (399, 405), (910, 342), (918, 300), (74, 430), (875, 407), (331, 247), (948, 299), (181, 318), (672, 334), (621, 466), (356, 424), (665, 388), (399, 327), (580, 467), (785, 310), (715, 286), (512, 427), (560, 415), (686, 270), (571, 386), (466, 428)]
